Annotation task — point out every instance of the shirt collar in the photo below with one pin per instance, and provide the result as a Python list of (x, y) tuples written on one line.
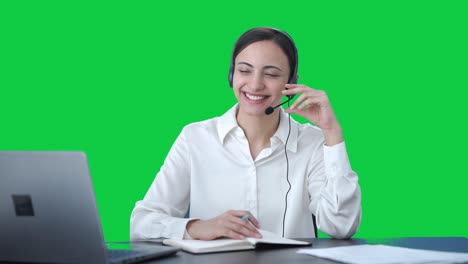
[(227, 123)]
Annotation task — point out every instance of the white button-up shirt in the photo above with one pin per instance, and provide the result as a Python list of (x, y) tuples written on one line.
[(210, 169)]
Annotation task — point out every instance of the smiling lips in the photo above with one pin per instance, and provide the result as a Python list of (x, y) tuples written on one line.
[(255, 98)]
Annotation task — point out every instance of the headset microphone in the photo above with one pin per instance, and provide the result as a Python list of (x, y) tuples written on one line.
[(270, 109)]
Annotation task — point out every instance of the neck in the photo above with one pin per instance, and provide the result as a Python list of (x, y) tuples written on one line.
[(258, 129)]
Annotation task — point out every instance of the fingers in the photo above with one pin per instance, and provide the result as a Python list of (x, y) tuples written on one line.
[(240, 214), (240, 230), (300, 88), (231, 234), (298, 100), (307, 98), (244, 223), (229, 224), (245, 227), (295, 85), (236, 223), (295, 89), (310, 102)]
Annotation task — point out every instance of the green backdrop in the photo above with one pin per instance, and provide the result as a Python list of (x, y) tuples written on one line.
[(120, 80)]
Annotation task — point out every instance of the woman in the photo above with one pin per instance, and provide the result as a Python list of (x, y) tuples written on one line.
[(247, 169)]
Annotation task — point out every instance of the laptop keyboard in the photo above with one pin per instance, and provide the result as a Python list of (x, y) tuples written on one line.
[(122, 254), (135, 255)]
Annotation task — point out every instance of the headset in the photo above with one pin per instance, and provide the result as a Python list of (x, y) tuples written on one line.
[(269, 110)]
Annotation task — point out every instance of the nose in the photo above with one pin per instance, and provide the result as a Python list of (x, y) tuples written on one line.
[(257, 82)]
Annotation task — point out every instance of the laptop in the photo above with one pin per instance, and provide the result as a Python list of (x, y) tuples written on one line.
[(48, 212)]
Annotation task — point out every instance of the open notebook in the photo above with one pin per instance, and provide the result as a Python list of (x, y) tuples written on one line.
[(218, 245)]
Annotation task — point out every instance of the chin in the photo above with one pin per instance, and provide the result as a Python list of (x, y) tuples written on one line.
[(252, 110)]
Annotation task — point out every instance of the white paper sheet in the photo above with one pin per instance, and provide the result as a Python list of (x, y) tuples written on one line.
[(382, 254)]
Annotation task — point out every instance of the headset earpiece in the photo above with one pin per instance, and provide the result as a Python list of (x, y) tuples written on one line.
[(231, 74)]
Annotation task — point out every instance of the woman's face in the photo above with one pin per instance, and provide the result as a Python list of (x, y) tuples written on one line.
[(261, 71)]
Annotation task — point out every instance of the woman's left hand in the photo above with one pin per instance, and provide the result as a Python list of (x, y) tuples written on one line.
[(314, 105)]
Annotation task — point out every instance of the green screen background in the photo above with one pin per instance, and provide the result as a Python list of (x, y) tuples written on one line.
[(120, 80)]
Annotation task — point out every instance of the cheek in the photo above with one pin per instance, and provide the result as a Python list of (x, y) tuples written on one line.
[(237, 83), (235, 88), (279, 89)]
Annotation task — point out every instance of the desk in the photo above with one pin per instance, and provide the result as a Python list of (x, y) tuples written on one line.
[(289, 255)]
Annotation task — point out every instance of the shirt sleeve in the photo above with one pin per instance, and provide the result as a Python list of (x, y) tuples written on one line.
[(161, 212), (335, 192)]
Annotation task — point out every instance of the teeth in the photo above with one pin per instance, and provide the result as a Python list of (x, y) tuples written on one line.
[(254, 97)]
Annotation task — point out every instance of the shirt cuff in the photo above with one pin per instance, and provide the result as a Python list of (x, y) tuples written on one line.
[(336, 160), (174, 227), (187, 236)]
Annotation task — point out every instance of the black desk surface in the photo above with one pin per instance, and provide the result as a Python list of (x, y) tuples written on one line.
[(289, 255)]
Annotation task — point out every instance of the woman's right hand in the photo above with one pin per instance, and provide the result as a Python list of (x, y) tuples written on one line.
[(229, 224)]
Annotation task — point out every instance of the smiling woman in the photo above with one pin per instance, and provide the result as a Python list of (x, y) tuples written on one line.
[(282, 176)]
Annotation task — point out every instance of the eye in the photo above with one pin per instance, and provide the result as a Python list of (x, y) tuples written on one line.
[(272, 75), (244, 71)]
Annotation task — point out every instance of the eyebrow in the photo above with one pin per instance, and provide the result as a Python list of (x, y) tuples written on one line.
[(266, 67)]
